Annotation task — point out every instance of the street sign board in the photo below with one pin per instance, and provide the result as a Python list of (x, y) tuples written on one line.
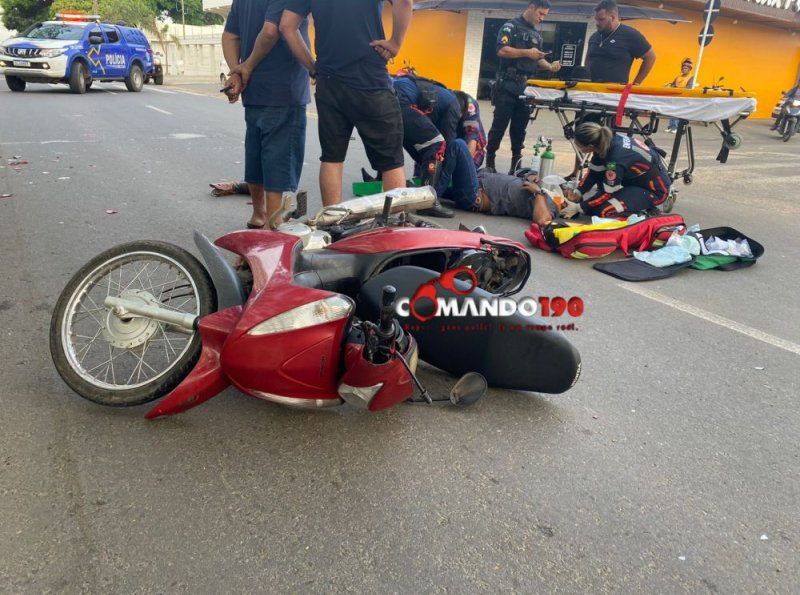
[(568, 51), (713, 7), (708, 36)]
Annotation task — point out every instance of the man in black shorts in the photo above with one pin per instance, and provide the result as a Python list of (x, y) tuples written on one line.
[(353, 84)]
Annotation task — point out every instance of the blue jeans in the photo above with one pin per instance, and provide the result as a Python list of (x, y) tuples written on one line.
[(459, 169), (274, 146)]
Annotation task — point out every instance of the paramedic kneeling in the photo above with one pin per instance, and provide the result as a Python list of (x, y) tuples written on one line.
[(625, 175)]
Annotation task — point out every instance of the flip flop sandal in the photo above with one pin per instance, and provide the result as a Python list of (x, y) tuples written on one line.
[(224, 188), (254, 226)]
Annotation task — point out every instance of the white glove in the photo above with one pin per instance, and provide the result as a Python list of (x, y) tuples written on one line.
[(570, 210)]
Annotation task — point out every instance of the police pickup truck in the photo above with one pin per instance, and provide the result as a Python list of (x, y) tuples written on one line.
[(76, 50)]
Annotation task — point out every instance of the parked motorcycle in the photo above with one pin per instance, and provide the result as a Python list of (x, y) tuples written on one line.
[(313, 319), (157, 74), (788, 122)]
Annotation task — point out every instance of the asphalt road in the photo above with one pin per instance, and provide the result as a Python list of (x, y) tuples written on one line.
[(672, 466)]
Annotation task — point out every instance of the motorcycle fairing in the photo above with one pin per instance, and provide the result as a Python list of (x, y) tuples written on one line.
[(526, 358), (396, 383), (397, 239), (206, 380), (303, 362)]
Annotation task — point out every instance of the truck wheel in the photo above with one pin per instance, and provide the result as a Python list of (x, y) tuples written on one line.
[(135, 79), (15, 83), (77, 78)]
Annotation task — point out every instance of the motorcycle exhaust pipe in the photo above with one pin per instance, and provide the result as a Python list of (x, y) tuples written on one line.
[(123, 308)]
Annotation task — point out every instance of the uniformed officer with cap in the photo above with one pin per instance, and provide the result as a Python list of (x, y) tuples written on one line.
[(519, 46)]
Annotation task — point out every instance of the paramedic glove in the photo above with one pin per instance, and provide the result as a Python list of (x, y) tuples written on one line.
[(570, 210)]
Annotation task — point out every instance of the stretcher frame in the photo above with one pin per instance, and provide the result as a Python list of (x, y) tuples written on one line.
[(642, 122)]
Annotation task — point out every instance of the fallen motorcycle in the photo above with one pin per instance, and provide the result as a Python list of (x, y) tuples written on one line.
[(312, 320)]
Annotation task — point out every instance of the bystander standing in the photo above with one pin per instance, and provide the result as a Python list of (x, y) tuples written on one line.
[(275, 93), (353, 88)]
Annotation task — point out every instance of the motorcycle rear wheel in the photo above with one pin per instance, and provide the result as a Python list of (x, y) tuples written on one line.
[(122, 362)]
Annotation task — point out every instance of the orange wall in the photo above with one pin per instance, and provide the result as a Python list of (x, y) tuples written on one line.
[(434, 45), (762, 60)]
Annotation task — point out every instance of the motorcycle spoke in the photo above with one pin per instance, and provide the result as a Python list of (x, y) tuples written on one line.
[(167, 344), (85, 349), (137, 369)]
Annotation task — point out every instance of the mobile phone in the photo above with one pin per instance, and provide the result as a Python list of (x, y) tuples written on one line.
[(226, 89)]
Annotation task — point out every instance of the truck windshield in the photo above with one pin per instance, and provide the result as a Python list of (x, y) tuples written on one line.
[(64, 31)]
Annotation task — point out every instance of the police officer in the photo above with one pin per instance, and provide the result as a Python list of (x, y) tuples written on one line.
[(519, 46)]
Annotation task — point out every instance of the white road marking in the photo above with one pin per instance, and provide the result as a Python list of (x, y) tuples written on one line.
[(727, 323), (43, 142), (154, 108), (157, 90)]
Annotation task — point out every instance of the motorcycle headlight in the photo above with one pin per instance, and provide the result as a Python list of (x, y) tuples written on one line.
[(796, 103), (51, 53), (329, 309)]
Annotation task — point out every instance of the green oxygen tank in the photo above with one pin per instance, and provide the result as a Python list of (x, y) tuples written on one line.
[(548, 160)]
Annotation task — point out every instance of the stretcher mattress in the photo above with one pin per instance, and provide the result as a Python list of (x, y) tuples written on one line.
[(696, 105)]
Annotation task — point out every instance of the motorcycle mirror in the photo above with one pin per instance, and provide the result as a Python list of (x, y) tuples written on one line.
[(469, 388)]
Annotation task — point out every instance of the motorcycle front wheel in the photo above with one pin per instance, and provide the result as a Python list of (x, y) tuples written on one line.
[(789, 128), (128, 360)]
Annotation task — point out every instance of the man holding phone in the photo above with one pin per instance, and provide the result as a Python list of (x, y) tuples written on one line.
[(519, 45)]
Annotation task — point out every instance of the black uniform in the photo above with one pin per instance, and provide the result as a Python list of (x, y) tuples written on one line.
[(610, 55), (508, 107), (630, 179)]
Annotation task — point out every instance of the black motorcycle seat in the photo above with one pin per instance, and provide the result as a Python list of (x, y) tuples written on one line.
[(514, 351)]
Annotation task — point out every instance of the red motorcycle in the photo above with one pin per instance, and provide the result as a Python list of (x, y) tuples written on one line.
[(308, 322)]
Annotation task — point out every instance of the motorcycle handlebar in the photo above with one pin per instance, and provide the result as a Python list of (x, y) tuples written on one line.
[(387, 309)]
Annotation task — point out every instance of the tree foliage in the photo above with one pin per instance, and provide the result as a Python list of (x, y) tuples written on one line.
[(19, 14)]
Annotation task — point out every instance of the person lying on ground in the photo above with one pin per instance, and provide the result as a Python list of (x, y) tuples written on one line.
[(484, 191)]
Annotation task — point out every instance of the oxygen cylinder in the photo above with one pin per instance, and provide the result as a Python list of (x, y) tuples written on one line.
[(548, 160), (536, 160)]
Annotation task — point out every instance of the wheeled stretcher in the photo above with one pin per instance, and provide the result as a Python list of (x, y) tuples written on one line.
[(637, 110)]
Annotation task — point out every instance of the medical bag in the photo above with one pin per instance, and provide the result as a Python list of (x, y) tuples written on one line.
[(597, 241)]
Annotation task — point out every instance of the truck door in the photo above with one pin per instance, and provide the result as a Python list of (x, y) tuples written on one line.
[(115, 58), (94, 45)]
